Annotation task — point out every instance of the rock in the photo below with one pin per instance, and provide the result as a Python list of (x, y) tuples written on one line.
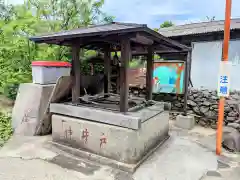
[(234, 125), (237, 121), (191, 103), (190, 112), (200, 96), (213, 126), (195, 95), (205, 122), (168, 98), (227, 130), (203, 99), (196, 110), (214, 106), (232, 114), (214, 93), (212, 101), (232, 141), (211, 114), (191, 98), (238, 108), (230, 119), (204, 109), (194, 91), (233, 107), (179, 98), (214, 97), (197, 119), (179, 105), (206, 93), (198, 100), (202, 123), (211, 108), (232, 102), (206, 103), (227, 109)]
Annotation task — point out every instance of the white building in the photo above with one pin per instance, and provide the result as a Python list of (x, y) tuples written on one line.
[(206, 42)]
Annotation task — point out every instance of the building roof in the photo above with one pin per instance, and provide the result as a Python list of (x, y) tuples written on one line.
[(106, 33), (90, 31), (198, 28)]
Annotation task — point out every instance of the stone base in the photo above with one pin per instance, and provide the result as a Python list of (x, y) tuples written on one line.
[(231, 139), (31, 103), (185, 122), (121, 144), (131, 168), (31, 114)]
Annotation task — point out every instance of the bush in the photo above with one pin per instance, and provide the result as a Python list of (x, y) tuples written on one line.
[(10, 81), (11, 90), (5, 127)]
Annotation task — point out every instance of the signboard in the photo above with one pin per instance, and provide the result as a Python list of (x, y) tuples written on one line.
[(224, 79), (168, 77)]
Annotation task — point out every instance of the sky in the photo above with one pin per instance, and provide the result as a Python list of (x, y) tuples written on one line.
[(155, 12)]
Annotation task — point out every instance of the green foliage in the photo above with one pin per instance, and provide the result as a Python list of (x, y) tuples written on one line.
[(134, 64), (5, 128), (166, 24), (19, 22)]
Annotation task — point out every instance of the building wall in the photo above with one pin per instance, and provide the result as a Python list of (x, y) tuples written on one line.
[(206, 58)]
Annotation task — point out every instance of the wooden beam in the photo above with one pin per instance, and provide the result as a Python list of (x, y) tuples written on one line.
[(75, 72), (109, 39), (138, 53), (124, 64), (107, 70), (142, 39), (164, 40), (186, 81), (149, 74)]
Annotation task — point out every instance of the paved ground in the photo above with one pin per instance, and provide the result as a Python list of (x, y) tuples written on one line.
[(188, 155)]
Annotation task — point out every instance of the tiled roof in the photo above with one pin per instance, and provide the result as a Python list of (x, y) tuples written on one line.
[(198, 28), (101, 32), (91, 30)]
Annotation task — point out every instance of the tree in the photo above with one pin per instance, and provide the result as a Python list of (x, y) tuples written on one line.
[(19, 22), (5, 10), (166, 24), (65, 15)]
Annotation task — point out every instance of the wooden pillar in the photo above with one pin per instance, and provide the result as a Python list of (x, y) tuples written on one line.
[(107, 70), (149, 74), (186, 84), (124, 65), (75, 73)]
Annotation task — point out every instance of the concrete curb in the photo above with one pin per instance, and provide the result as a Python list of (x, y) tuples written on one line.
[(103, 160)]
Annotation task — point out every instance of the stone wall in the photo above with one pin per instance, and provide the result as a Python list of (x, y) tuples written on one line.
[(203, 104)]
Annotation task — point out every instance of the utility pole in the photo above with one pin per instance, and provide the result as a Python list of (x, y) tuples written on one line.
[(223, 90)]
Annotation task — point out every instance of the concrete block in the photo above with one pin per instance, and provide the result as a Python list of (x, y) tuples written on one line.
[(185, 122), (231, 141), (29, 108), (99, 115), (131, 120), (113, 142)]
